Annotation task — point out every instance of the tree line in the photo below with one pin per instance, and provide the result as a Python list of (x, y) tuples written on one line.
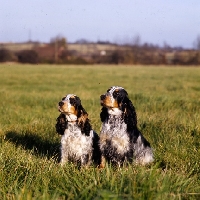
[(58, 50)]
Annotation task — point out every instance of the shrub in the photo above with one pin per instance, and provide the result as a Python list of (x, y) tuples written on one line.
[(28, 56), (76, 61), (5, 55)]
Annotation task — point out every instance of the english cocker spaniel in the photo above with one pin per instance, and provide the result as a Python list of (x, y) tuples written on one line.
[(120, 140), (79, 143)]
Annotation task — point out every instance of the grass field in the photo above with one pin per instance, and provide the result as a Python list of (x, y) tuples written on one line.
[(167, 101)]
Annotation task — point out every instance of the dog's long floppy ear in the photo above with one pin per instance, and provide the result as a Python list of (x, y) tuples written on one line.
[(104, 114), (61, 124), (83, 121), (130, 116)]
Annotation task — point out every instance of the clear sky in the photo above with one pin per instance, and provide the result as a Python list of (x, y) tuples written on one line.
[(176, 22)]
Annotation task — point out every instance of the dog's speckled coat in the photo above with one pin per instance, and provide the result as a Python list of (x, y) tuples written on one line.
[(120, 139)]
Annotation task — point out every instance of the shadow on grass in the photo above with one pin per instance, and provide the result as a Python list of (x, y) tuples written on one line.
[(38, 145)]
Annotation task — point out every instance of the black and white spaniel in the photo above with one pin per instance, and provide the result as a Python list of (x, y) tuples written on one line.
[(120, 139), (79, 143)]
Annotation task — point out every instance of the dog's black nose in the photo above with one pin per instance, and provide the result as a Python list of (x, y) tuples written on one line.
[(60, 103), (102, 97)]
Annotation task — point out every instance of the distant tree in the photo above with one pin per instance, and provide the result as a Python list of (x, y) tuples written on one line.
[(116, 57), (136, 41), (60, 41), (103, 42), (60, 48), (82, 41), (166, 47), (197, 43)]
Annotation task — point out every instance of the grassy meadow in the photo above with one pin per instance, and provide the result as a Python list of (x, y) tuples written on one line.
[(167, 102)]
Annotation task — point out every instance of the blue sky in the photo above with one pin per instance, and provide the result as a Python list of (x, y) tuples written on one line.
[(176, 22)]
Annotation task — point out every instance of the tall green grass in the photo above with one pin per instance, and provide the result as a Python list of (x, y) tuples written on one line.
[(167, 101)]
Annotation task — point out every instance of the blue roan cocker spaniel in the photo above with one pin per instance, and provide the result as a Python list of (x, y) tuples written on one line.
[(79, 143), (120, 139)]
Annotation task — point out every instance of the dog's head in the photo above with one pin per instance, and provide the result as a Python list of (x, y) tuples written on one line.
[(70, 106), (116, 102), (114, 99)]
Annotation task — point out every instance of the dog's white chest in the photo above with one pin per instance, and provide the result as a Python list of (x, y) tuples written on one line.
[(75, 143), (116, 134), (121, 143)]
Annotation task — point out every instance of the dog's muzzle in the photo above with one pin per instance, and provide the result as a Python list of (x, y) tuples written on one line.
[(102, 97), (60, 103)]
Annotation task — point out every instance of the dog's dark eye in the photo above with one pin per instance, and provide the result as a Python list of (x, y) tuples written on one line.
[(72, 101), (63, 98), (115, 93)]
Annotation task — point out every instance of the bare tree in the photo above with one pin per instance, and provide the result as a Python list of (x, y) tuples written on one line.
[(136, 41), (197, 43), (60, 46)]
